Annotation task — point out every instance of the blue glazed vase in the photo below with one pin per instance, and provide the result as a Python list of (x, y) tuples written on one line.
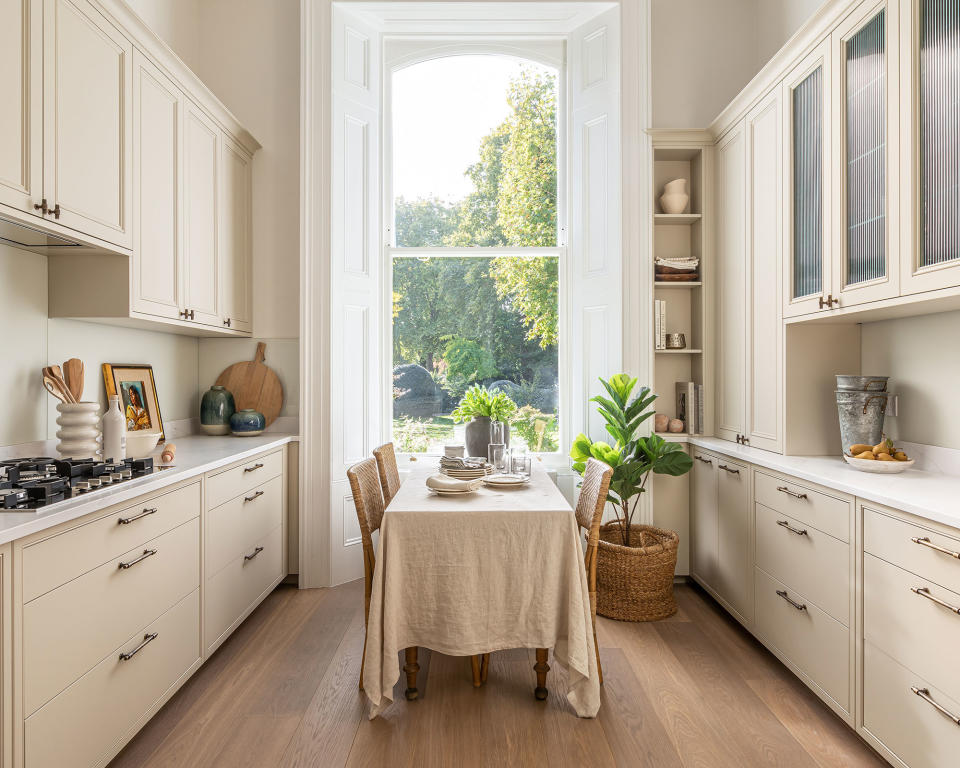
[(247, 423), (216, 408)]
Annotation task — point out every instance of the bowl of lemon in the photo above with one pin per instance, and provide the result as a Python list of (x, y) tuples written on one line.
[(882, 458)]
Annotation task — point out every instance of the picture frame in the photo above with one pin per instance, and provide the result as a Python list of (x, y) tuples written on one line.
[(135, 385)]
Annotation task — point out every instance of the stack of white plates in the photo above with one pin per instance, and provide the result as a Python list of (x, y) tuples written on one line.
[(464, 470), (505, 481), (452, 492)]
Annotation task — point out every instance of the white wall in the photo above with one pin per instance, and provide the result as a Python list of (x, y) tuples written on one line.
[(919, 354), (176, 22), (283, 356), (31, 341), (704, 52)]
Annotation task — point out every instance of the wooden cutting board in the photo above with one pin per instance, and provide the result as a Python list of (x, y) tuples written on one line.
[(254, 385)]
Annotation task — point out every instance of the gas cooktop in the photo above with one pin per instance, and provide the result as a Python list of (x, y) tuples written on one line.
[(32, 483)]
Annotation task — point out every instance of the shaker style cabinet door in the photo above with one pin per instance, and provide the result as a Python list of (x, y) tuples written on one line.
[(21, 93), (930, 133), (731, 274), (734, 550), (807, 271), (235, 238), (703, 522), (87, 108), (157, 142), (201, 247), (764, 361), (866, 157)]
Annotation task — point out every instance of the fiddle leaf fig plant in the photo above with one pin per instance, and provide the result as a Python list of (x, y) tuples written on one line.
[(632, 458)]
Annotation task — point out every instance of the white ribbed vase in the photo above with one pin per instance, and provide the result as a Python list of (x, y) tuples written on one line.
[(79, 431)]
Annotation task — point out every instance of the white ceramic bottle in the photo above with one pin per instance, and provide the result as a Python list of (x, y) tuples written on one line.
[(114, 431)]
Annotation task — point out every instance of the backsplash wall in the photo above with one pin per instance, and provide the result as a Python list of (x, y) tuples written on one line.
[(919, 354)]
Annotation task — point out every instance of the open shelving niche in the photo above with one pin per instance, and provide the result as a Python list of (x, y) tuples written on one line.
[(689, 155)]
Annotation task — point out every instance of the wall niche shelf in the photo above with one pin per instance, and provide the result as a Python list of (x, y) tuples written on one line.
[(676, 219), (679, 351), (679, 284)]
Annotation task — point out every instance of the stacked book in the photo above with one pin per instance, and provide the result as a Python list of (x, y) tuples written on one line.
[(659, 324), (690, 406), (681, 269)]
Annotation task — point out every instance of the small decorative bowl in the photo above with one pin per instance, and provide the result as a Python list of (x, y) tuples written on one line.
[(247, 423), (141, 444), (676, 341)]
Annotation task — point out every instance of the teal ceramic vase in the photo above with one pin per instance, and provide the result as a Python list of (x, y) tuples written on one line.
[(247, 423), (216, 408)]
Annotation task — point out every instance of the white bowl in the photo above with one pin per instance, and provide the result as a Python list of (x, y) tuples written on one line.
[(141, 444), (878, 467)]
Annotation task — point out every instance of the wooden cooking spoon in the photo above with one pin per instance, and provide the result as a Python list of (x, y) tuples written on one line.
[(73, 375), (53, 388), (54, 373)]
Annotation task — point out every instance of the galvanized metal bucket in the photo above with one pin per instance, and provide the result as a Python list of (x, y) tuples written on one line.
[(851, 383), (861, 417)]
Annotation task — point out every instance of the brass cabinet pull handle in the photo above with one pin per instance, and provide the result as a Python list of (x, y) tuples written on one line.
[(185, 314), (146, 553), (253, 554), (705, 461), (255, 467), (784, 489), (925, 592), (725, 468), (147, 639), (924, 693), (41, 206), (923, 541), (128, 520), (257, 495), (798, 531), (794, 603), (227, 322), (56, 211)]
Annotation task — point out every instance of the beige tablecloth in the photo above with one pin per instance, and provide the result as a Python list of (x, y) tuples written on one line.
[(489, 571)]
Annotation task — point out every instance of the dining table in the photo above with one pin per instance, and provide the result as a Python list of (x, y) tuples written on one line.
[(463, 575)]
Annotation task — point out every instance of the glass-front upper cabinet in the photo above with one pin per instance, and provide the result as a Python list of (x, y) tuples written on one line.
[(806, 247), (865, 142), (930, 126)]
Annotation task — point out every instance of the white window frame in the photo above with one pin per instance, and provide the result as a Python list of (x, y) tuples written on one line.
[(403, 52)]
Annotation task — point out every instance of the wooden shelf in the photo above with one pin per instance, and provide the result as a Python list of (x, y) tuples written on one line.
[(677, 284), (676, 219), (673, 437), (679, 351)]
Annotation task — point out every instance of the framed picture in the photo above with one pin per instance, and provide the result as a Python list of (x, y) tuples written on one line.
[(138, 395)]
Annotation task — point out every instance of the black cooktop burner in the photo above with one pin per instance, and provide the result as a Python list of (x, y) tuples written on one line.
[(31, 483)]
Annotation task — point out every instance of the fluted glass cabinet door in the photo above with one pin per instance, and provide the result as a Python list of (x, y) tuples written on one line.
[(870, 198), (807, 184), (932, 246)]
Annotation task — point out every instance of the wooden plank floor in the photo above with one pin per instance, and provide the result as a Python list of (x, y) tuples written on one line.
[(695, 690)]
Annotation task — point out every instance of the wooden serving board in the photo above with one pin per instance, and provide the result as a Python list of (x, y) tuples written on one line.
[(254, 385)]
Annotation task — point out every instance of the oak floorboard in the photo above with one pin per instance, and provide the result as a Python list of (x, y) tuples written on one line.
[(821, 733), (694, 691)]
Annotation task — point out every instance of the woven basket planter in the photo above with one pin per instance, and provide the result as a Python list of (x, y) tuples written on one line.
[(636, 583)]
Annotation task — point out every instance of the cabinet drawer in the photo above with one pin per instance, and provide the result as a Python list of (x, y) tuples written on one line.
[(825, 513), (805, 559), (56, 560), (67, 631), (909, 726), (231, 483), (236, 586), (816, 643), (87, 722), (912, 629), (234, 528), (893, 540)]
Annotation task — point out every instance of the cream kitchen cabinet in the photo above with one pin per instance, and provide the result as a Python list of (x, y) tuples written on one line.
[(235, 237), (703, 517)]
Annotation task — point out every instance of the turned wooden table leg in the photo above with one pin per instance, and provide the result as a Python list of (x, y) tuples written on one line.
[(475, 668), (484, 667), (541, 668), (411, 668)]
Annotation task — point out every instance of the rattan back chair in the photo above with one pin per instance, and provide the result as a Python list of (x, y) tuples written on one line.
[(389, 474), (590, 504), (368, 499)]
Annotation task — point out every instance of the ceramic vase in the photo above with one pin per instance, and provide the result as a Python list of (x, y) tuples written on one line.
[(79, 431), (477, 436), (675, 198), (216, 408), (247, 423)]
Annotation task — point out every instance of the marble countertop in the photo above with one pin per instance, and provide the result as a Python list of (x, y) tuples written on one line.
[(924, 490), (196, 455)]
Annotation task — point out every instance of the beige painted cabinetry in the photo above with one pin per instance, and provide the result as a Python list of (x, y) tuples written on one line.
[(703, 517)]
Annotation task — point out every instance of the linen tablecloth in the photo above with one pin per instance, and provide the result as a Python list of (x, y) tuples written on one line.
[(488, 571)]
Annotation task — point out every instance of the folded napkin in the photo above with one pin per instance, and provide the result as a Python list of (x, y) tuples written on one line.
[(457, 462), (444, 483)]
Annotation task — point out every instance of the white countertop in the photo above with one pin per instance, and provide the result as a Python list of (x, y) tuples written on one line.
[(196, 455), (927, 493)]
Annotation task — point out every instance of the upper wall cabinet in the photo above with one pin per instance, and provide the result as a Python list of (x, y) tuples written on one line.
[(138, 155), (807, 270), (930, 130), (865, 143)]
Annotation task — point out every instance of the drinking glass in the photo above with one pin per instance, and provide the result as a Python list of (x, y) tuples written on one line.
[(496, 455), (519, 461), (497, 433)]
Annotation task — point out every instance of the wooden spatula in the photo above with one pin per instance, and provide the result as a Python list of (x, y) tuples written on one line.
[(73, 375), (55, 375)]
